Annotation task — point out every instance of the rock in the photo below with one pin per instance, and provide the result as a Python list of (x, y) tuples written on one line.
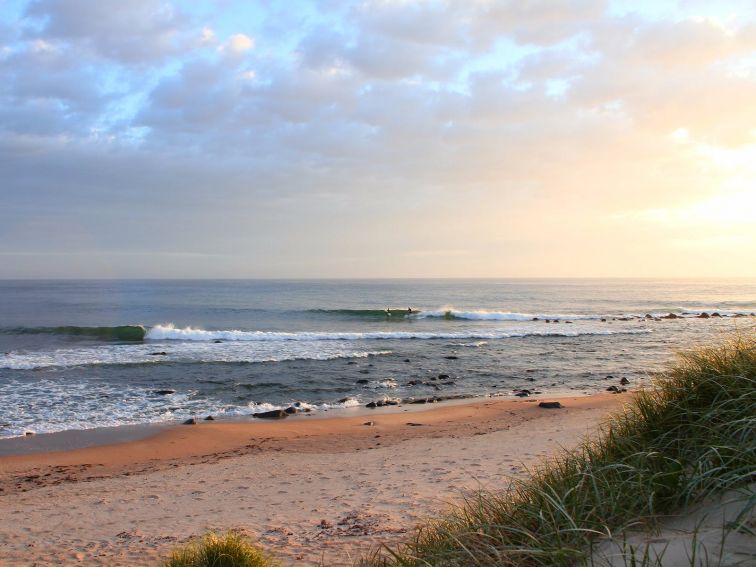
[(343, 400), (603, 320), (28, 433), (364, 371), (522, 394), (413, 382), (190, 421), (609, 377), (451, 357), (362, 381), (612, 389), (624, 381), (568, 322), (209, 418), (443, 376), (548, 320), (272, 414), (649, 316), (703, 316), (291, 410), (369, 423), (325, 524), (163, 392), (351, 362), (407, 360), (417, 401), (160, 353), (670, 316), (715, 314), (534, 319), (217, 341), (412, 424), (550, 405)]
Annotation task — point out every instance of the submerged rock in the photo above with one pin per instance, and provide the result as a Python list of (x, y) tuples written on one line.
[(703, 316), (550, 405), (163, 392), (190, 421), (272, 414), (451, 357), (624, 381), (160, 353), (209, 418)]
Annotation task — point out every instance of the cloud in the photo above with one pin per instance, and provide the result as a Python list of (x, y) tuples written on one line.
[(238, 44), (321, 139)]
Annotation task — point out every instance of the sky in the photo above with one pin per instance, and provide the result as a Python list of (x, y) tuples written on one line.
[(382, 138)]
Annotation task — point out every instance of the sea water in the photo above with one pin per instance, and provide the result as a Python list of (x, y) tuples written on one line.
[(87, 354)]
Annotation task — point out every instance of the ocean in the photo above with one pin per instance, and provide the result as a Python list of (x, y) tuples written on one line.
[(90, 354)]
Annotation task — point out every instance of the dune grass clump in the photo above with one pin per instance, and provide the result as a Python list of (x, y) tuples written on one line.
[(690, 435), (220, 550)]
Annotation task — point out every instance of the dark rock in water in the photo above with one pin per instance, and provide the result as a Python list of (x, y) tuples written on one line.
[(413, 424), (351, 362), (343, 400), (272, 414), (364, 371), (522, 394), (670, 316), (407, 360), (534, 319), (413, 382), (609, 377), (603, 320), (715, 314), (703, 316), (433, 378), (623, 318), (384, 402), (624, 381), (291, 410), (190, 421), (649, 316), (161, 353), (163, 392), (530, 379), (369, 423), (612, 389), (217, 341), (209, 418), (362, 381), (443, 376), (417, 401), (550, 405), (568, 322), (28, 433), (548, 320), (451, 357)]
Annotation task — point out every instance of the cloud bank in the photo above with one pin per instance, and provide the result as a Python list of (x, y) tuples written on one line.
[(377, 139)]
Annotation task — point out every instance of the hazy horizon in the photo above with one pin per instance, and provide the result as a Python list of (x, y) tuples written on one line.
[(378, 139)]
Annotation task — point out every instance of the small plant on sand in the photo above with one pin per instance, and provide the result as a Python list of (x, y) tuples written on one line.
[(220, 550), (691, 435)]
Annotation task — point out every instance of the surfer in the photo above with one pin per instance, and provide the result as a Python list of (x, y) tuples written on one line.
[(409, 310)]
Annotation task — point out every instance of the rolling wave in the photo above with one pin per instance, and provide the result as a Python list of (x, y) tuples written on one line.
[(117, 333), (169, 332)]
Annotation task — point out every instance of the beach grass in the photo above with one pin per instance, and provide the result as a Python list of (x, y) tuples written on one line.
[(692, 434), (220, 550)]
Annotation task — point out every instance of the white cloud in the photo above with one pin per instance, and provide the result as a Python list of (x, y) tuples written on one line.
[(237, 44)]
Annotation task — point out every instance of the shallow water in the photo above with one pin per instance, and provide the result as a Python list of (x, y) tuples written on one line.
[(83, 354)]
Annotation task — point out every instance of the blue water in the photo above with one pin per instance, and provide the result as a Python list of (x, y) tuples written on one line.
[(84, 354)]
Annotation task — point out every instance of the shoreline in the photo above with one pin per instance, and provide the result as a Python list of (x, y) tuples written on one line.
[(73, 439), (128, 503)]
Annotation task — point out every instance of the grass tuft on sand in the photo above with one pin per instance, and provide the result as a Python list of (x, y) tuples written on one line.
[(691, 435), (220, 550)]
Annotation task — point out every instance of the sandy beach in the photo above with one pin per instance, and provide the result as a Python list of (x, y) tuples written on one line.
[(311, 490)]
